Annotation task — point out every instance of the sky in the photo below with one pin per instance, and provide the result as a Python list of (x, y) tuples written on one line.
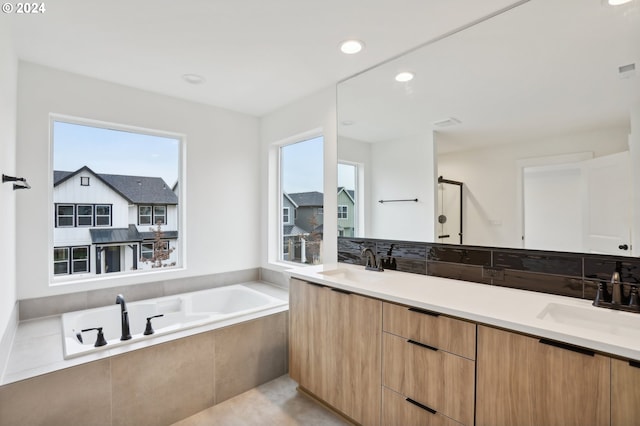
[(115, 152), (302, 168)]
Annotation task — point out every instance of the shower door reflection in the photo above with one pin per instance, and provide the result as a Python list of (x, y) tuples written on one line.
[(449, 226)]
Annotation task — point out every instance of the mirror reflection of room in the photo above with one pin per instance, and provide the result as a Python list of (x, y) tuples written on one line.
[(536, 110)]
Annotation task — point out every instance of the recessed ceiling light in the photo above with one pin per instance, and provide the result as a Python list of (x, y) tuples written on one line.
[(618, 2), (351, 46), (193, 78), (404, 76)]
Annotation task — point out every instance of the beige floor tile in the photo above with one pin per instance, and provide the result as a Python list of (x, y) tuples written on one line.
[(276, 403)]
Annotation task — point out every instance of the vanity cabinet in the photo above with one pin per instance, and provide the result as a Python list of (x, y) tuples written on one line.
[(428, 368), (335, 348), (530, 381), (625, 392)]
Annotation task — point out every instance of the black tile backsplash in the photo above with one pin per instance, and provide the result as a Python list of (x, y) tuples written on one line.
[(566, 274)]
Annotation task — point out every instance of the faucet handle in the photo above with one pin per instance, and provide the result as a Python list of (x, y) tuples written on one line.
[(149, 329), (100, 340)]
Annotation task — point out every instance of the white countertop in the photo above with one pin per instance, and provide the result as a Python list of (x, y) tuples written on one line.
[(579, 323)]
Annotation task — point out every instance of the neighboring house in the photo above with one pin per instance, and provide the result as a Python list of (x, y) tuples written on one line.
[(346, 212), (103, 222), (309, 213)]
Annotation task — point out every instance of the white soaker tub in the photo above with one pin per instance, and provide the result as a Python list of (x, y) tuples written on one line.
[(179, 312)]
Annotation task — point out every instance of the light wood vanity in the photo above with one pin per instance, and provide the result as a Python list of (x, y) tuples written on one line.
[(378, 362)]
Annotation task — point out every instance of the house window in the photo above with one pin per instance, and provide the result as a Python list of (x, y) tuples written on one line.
[(343, 212), (146, 250), (104, 175), (152, 215), (103, 215), (80, 259), (84, 215), (320, 211), (301, 180), (64, 215), (350, 176), (144, 215), (76, 264), (159, 215), (61, 260)]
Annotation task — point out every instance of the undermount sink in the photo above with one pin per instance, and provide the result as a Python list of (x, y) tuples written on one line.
[(353, 275), (618, 323)]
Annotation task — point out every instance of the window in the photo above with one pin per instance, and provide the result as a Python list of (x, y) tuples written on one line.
[(348, 178), (103, 215), (61, 260), (146, 250), (343, 212), (152, 215), (159, 215), (301, 182), (80, 259), (111, 183), (144, 215), (84, 215), (77, 264), (64, 215)]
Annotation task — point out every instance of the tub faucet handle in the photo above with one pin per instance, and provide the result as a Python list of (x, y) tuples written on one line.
[(149, 329), (100, 340)]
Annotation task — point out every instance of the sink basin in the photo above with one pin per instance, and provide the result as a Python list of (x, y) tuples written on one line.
[(354, 275), (623, 324)]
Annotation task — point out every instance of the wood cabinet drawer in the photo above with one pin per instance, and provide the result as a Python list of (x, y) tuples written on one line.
[(398, 411), (440, 331), (438, 379)]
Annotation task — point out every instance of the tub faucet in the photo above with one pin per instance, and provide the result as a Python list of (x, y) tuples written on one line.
[(124, 317), (370, 260)]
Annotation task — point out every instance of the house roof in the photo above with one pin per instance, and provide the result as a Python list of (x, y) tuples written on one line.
[(308, 199), (115, 235), (350, 193), (135, 189), (166, 235), (291, 230)]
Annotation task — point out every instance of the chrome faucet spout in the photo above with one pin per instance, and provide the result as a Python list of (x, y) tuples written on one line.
[(124, 317)]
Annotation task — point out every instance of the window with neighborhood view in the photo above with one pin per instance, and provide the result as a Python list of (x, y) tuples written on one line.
[(302, 201), (347, 200), (115, 197)]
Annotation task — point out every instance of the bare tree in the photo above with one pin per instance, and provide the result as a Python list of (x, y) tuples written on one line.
[(161, 249)]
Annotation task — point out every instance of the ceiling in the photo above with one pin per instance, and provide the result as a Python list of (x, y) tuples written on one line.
[(256, 55)]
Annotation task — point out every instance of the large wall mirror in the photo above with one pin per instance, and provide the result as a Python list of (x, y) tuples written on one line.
[(520, 131)]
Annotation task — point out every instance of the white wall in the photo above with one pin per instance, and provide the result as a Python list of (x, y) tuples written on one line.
[(8, 197), (491, 209), (313, 114), (403, 169), (222, 173)]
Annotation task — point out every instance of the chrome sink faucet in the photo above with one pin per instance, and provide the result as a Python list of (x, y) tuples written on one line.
[(124, 317), (371, 263), (616, 288)]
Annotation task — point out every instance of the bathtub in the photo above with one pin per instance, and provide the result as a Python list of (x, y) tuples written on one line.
[(179, 312)]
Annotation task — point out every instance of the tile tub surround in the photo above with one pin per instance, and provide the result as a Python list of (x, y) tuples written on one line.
[(37, 345), (561, 273), (156, 385)]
